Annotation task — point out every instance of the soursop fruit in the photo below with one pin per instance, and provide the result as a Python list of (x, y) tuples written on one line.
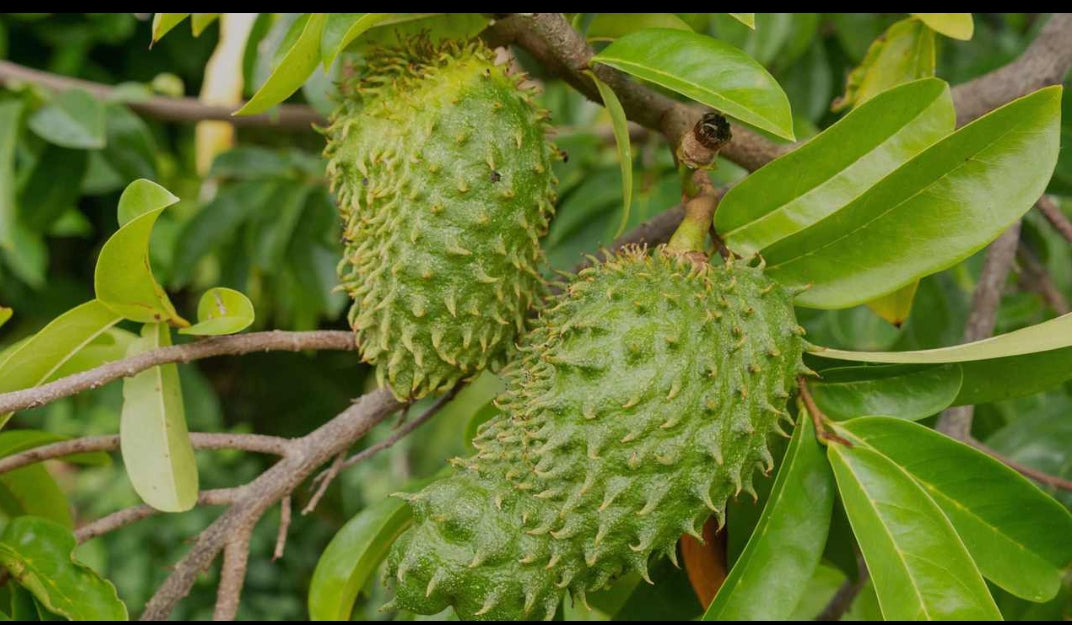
[(643, 401), (438, 158)]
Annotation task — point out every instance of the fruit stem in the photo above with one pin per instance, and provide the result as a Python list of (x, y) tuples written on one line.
[(818, 419), (691, 235)]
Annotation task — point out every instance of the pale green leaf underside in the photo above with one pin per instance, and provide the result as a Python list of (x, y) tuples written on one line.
[(221, 311), (620, 124), (297, 65)]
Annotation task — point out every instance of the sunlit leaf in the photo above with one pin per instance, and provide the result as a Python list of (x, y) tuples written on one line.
[(297, 65), (937, 209), (707, 70), (905, 52), (164, 22), (154, 441), (1017, 534), (39, 555), (954, 25), (5, 314), (340, 30), (37, 358), (769, 577), (221, 311), (200, 21), (920, 567), (123, 278), (748, 19), (610, 26)]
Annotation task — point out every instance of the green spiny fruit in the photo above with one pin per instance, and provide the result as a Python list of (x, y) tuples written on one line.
[(643, 400), (438, 158)]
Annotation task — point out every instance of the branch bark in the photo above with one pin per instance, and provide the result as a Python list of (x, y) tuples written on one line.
[(1053, 214), (285, 117), (957, 421), (235, 344)]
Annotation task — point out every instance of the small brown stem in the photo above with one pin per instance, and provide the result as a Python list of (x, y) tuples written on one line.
[(1053, 214), (284, 525), (329, 475), (818, 419), (1039, 476)]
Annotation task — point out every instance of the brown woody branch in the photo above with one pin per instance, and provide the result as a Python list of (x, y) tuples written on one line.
[(1053, 214), (122, 518), (285, 117), (236, 344)]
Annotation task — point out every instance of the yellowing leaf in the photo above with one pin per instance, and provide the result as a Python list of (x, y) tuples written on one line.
[(164, 22), (200, 21), (298, 64), (153, 439), (895, 306), (954, 25), (5, 314), (748, 19), (905, 52), (221, 311)]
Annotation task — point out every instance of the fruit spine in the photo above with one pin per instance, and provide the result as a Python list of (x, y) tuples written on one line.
[(644, 399), (438, 158)]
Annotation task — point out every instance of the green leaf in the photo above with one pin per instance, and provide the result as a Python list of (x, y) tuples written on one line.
[(903, 53), (5, 314), (164, 22), (998, 379), (340, 29), (769, 578), (920, 567), (109, 346), (1017, 534), (123, 278), (298, 64), (903, 391), (41, 200), (932, 212), (610, 26), (155, 444), (1046, 336), (73, 119), (200, 21), (40, 556), (835, 168), (352, 556), (620, 125), (748, 19), (221, 311), (955, 25), (10, 113), (707, 70), (35, 360), (31, 490), (895, 307)]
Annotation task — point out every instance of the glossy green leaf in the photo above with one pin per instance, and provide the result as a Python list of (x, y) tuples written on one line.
[(10, 114), (109, 346), (200, 21), (1048, 335), (768, 579), (620, 124), (297, 65), (352, 556), (998, 379), (920, 567), (39, 555), (123, 278), (707, 70), (610, 26), (33, 491), (164, 22), (1018, 535), (903, 391), (340, 29), (155, 444), (37, 358), (905, 52), (221, 311), (835, 168), (932, 212), (748, 19), (73, 119), (955, 25)]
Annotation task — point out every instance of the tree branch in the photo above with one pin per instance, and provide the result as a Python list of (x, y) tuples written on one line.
[(122, 518), (1053, 214), (257, 443), (957, 421), (235, 344), (1039, 476), (285, 117), (304, 456), (232, 575)]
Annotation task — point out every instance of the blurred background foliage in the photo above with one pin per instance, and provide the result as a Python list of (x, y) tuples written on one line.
[(261, 220)]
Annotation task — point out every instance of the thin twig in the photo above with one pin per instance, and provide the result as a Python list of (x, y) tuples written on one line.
[(322, 488), (284, 117), (957, 421), (284, 525), (1035, 277), (1039, 476), (122, 518), (276, 340), (1053, 214), (257, 443), (232, 575)]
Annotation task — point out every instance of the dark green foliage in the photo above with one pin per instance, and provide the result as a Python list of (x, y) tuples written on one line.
[(444, 182), (642, 402)]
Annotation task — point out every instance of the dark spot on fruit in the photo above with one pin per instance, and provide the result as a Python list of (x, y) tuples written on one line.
[(565, 155), (496, 176), (364, 182)]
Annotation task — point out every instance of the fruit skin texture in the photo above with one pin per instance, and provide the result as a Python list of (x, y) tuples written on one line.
[(443, 177), (643, 401)]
